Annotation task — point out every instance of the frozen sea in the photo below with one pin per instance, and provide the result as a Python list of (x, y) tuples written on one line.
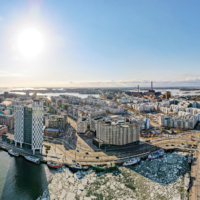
[(159, 179)]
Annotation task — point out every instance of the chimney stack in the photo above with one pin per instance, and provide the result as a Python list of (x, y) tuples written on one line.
[(151, 85), (138, 88)]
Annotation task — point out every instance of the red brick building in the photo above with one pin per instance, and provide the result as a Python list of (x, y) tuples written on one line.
[(3, 129), (7, 120), (51, 132)]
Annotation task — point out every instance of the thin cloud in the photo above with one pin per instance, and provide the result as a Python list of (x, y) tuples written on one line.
[(133, 83), (187, 74), (8, 74)]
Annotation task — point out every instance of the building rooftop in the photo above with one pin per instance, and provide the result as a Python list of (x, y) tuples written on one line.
[(2, 126), (52, 129)]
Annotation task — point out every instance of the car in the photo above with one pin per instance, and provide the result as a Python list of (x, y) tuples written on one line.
[(193, 140), (189, 146), (87, 153), (97, 157), (147, 141), (193, 146), (166, 145), (182, 143), (185, 146), (172, 144), (178, 145), (77, 150)]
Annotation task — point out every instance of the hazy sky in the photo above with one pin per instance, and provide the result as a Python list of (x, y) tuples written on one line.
[(102, 43)]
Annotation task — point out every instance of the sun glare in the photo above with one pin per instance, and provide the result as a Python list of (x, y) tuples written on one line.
[(30, 42)]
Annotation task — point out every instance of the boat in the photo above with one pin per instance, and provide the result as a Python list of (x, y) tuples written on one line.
[(109, 166), (156, 154), (133, 161), (32, 159), (76, 167), (187, 181), (12, 153), (54, 165)]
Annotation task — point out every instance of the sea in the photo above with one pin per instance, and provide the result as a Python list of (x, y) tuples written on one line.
[(48, 95), (20, 179), (174, 92)]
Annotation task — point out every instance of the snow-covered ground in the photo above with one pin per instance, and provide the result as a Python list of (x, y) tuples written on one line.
[(160, 179)]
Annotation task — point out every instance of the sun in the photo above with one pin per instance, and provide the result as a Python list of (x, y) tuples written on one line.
[(30, 42)]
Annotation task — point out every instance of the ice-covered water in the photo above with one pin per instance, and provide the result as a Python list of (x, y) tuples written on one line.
[(164, 170), (159, 179)]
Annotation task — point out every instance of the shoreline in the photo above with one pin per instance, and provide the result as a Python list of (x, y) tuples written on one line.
[(123, 183)]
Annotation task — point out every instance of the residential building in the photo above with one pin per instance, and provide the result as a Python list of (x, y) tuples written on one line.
[(7, 120), (3, 129), (56, 121), (117, 131), (51, 132)]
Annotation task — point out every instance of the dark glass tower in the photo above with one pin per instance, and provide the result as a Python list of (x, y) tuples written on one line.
[(27, 127)]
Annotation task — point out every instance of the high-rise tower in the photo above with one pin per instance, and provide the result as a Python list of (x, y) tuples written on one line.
[(28, 130)]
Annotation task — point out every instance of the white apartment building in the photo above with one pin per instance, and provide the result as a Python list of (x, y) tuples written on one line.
[(182, 122), (117, 132)]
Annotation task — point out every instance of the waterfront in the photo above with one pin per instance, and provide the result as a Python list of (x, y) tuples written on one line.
[(160, 179), (2, 90), (174, 92), (21, 180)]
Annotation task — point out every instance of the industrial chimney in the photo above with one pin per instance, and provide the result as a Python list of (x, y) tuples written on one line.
[(138, 88), (151, 85)]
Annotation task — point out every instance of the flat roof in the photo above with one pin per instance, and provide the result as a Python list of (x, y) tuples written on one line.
[(51, 129)]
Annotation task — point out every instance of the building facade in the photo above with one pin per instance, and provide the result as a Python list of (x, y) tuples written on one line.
[(118, 132), (7, 120), (56, 121), (28, 130), (3, 129)]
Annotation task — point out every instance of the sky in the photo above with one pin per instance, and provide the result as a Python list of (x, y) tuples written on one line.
[(101, 43)]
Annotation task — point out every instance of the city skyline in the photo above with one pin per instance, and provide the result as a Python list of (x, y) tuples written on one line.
[(99, 99), (100, 44)]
